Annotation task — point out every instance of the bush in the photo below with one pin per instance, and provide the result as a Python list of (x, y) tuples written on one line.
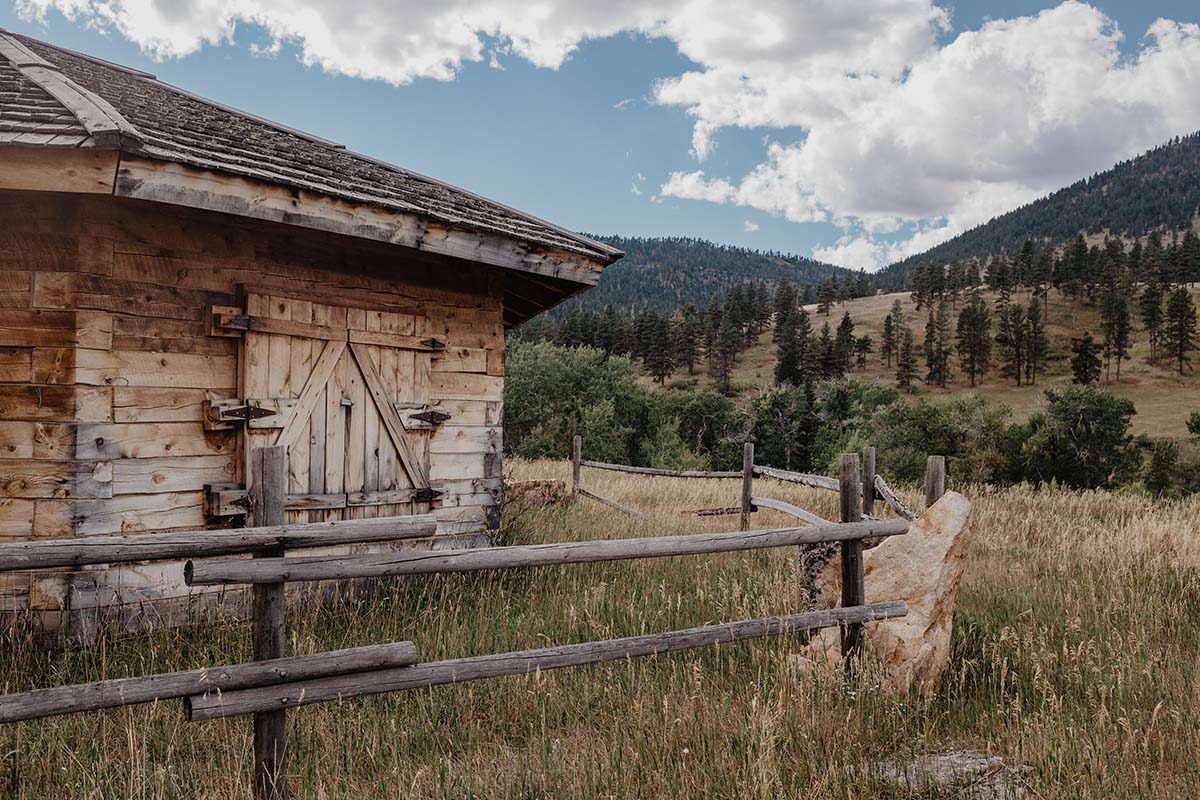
[(1082, 439)]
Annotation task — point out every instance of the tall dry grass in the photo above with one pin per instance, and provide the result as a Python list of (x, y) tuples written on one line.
[(1075, 652)]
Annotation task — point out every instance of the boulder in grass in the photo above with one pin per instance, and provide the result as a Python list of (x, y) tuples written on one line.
[(924, 568)]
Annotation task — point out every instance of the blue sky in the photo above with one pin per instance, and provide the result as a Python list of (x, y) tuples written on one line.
[(591, 143)]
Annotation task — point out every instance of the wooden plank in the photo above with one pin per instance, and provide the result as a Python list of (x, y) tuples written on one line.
[(888, 496), (16, 439), (461, 359), (275, 325), (139, 513), (162, 404), (524, 662), (868, 484), (16, 288), (156, 334), (58, 170), (633, 512), (194, 188), (53, 442), (373, 429), (802, 478), (178, 474), (417, 472), (163, 545), (466, 386), (164, 370), (316, 502), (151, 440), (465, 439), (54, 403), (303, 355), (16, 364), (54, 365), (202, 573), (119, 692), (425, 344), (314, 390), (19, 328), (17, 519), (54, 479), (935, 479)]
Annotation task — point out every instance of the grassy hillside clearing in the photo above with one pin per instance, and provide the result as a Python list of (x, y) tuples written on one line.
[(1163, 398), (1075, 652)]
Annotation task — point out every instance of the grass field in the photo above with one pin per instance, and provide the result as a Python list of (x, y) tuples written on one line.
[(1163, 398), (1076, 653)]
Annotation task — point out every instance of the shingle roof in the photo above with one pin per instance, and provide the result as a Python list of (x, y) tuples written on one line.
[(160, 121)]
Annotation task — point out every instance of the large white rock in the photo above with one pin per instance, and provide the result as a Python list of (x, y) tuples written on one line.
[(924, 568)]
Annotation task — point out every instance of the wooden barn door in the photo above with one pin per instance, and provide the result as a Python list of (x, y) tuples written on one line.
[(346, 391)]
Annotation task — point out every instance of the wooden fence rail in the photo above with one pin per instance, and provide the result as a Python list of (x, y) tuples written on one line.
[(150, 688), (248, 701), (319, 568), (662, 473), (885, 493)]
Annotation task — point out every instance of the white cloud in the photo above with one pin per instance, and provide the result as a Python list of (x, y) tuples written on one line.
[(750, 227), (909, 131), (621, 105)]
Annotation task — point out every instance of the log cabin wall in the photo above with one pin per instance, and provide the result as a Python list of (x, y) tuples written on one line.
[(106, 364)]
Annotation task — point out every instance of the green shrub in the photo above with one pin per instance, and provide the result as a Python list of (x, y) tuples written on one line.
[(1082, 439)]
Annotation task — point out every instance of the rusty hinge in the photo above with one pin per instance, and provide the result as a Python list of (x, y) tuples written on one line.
[(225, 499), (432, 416), (231, 412), (434, 344)]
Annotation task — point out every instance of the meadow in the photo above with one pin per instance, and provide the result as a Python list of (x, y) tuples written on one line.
[(1075, 653)]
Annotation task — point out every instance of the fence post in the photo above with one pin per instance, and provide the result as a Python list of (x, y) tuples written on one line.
[(853, 591), (747, 484), (268, 490), (576, 468), (935, 479), (868, 486)]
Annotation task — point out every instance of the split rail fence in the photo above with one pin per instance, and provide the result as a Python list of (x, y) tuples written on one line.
[(274, 682)]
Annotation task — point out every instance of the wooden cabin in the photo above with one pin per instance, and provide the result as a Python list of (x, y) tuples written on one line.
[(182, 282)]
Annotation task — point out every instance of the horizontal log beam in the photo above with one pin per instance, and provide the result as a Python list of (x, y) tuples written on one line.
[(132, 691), (522, 662), (50, 553), (318, 568), (663, 473), (788, 508), (803, 478)]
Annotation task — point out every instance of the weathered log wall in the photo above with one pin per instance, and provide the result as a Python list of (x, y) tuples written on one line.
[(105, 365)]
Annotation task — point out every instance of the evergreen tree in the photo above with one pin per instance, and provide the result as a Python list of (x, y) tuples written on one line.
[(937, 346), (722, 355), (785, 301), (1011, 338), (1180, 333), (787, 362), (1035, 341), (688, 335), (844, 343), (826, 295), (887, 345), (974, 338), (829, 363), (1085, 361), (898, 318), (1151, 306), (862, 349), (660, 355), (1117, 329), (906, 362)]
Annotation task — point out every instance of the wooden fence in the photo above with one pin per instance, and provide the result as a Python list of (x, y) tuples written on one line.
[(872, 487), (274, 682)]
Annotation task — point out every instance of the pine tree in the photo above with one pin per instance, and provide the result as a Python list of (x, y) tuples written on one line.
[(785, 302), (906, 362), (974, 338), (1011, 338), (1116, 322), (787, 362), (687, 338), (898, 317), (887, 345), (862, 349), (1151, 306), (722, 356), (826, 295), (660, 354), (827, 353), (1085, 361), (844, 343), (1180, 334), (937, 345), (1036, 342)]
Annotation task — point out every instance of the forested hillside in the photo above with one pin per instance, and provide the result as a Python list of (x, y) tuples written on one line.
[(1157, 191), (672, 272)]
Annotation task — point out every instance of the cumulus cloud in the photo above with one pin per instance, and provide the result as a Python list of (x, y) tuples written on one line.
[(910, 131), (750, 227)]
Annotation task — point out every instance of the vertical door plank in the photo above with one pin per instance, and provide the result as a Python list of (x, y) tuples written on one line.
[(302, 364)]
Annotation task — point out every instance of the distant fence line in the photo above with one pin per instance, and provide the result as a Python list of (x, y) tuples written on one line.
[(274, 682)]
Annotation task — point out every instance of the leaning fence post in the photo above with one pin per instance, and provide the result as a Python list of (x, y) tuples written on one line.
[(268, 489), (868, 484), (576, 466), (935, 479), (747, 484), (853, 591)]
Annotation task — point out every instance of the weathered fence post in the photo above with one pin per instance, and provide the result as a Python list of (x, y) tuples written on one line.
[(268, 491), (935, 479), (747, 484), (868, 485), (853, 592), (576, 468)]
